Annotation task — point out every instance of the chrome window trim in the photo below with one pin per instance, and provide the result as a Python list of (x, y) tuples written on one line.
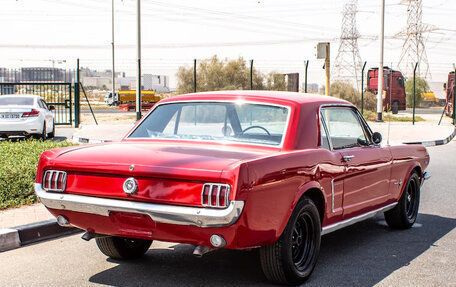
[(328, 138), (163, 213), (284, 135), (365, 127), (332, 195)]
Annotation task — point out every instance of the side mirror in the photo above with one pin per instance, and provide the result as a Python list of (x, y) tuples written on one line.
[(444, 86), (377, 138), (51, 108)]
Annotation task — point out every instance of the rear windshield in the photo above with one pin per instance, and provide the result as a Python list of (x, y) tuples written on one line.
[(16, 101), (234, 122)]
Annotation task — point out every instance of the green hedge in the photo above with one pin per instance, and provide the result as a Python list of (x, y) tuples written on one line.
[(18, 162)]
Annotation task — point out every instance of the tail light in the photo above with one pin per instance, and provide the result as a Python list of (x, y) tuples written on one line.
[(215, 195), (32, 113), (54, 180)]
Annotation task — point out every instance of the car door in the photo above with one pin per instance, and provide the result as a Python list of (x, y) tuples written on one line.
[(367, 165)]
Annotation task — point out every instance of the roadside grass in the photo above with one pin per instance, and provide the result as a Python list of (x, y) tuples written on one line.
[(371, 116), (18, 163)]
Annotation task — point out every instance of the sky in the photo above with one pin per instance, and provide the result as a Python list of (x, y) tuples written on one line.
[(279, 35)]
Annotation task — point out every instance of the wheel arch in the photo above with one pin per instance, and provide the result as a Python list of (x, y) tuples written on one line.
[(416, 167), (314, 191)]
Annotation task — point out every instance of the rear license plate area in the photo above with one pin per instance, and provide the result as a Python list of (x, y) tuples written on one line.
[(9, 116), (132, 221)]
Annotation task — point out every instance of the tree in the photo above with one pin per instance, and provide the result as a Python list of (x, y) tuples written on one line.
[(214, 75), (276, 82), (421, 86), (347, 92)]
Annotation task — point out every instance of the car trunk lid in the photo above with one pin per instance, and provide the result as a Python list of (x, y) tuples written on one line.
[(164, 172)]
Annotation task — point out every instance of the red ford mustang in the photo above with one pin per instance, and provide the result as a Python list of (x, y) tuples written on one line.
[(237, 170)]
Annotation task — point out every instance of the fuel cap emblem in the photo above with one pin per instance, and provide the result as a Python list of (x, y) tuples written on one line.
[(130, 186)]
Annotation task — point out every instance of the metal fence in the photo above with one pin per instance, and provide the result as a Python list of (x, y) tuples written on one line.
[(54, 85)]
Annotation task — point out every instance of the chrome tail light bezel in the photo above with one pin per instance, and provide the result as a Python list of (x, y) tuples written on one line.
[(51, 180), (206, 200)]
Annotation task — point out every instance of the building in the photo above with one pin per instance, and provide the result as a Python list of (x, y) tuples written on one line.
[(44, 74), (97, 82), (158, 83)]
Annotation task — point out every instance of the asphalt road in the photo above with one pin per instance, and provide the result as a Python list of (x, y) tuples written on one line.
[(365, 254)]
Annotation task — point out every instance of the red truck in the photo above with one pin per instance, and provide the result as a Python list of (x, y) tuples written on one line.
[(449, 88), (393, 86)]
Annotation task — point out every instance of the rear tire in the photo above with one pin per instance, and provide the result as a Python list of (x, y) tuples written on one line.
[(404, 214), (52, 133), (43, 133), (122, 248), (395, 108), (292, 258)]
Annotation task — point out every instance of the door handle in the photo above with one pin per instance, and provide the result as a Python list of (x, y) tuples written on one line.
[(348, 158)]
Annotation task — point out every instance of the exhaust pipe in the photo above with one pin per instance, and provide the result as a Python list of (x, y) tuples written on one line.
[(201, 250), (90, 235)]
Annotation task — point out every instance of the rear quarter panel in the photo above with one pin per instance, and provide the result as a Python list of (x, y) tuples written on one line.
[(275, 185)]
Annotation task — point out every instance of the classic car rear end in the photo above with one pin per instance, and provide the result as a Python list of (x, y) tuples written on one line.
[(235, 170)]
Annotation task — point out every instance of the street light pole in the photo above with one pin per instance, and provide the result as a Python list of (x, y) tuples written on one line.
[(138, 47), (380, 68), (113, 65)]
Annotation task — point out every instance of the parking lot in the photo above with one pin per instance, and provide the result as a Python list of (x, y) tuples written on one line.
[(366, 254)]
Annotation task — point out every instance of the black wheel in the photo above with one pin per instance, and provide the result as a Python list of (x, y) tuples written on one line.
[(292, 258), (52, 133), (404, 214), (122, 248), (395, 107)]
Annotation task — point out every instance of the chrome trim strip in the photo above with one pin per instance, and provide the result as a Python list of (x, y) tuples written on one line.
[(51, 173), (426, 175), (323, 121), (217, 198), (56, 180), (209, 196), (170, 214), (332, 195), (356, 219)]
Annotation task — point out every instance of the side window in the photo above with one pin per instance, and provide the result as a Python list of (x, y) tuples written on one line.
[(324, 138), (344, 127), (400, 83)]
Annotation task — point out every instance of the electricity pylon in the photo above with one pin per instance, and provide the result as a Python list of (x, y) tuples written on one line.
[(347, 65)]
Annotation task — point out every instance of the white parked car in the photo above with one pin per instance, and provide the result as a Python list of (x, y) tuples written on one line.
[(26, 115)]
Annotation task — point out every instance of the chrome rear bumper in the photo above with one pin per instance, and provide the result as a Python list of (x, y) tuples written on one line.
[(426, 176), (171, 214)]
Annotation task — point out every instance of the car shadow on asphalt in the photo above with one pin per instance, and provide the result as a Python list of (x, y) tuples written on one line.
[(360, 255)]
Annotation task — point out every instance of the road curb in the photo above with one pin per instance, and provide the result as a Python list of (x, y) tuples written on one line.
[(436, 142), (16, 237)]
